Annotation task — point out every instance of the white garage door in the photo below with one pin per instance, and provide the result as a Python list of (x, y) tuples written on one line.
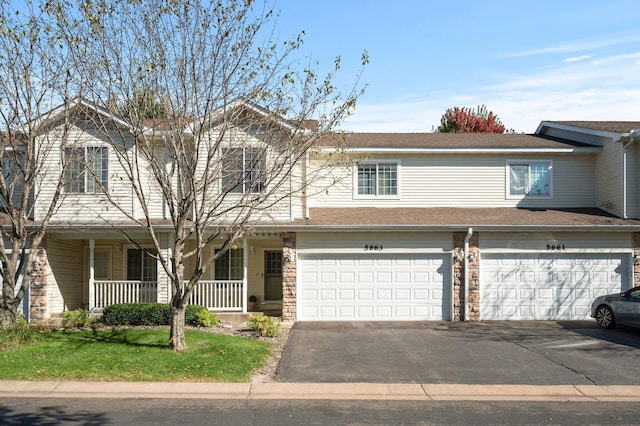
[(558, 286), (373, 287)]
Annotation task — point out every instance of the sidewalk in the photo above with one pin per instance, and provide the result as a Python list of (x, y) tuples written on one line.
[(318, 391)]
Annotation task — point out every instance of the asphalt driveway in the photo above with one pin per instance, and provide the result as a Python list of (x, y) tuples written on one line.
[(492, 352)]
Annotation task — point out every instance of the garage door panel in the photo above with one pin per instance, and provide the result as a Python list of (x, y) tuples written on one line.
[(403, 294), (328, 294), (376, 287), (563, 288), (384, 294)]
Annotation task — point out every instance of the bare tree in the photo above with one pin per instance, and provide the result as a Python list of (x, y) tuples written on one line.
[(34, 79), (228, 149)]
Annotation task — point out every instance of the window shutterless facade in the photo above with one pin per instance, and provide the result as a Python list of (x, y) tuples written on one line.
[(530, 179), (243, 170), (87, 169), (377, 179)]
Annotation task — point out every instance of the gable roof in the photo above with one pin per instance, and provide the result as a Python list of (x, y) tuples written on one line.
[(41, 122), (242, 104), (622, 127)]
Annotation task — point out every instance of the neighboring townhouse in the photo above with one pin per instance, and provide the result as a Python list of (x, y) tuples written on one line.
[(473, 226), (412, 227)]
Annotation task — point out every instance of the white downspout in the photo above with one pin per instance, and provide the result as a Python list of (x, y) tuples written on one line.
[(92, 280), (305, 184), (632, 136), (466, 273), (245, 275)]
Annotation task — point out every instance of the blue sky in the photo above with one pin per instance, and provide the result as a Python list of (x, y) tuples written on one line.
[(527, 61)]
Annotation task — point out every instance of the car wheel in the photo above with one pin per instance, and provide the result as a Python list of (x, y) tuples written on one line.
[(604, 317)]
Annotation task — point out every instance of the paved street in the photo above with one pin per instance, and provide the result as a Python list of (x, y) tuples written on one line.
[(500, 352), (28, 411)]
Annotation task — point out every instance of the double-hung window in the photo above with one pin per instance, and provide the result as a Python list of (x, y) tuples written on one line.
[(142, 265), (529, 179), (243, 170), (377, 179), (87, 169), (230, 265)]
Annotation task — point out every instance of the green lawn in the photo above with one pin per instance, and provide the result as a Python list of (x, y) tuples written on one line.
[(133, 355)]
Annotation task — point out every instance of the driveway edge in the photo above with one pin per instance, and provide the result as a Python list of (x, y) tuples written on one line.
[(318, 391)]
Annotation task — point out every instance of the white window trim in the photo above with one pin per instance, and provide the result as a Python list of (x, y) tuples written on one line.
[(244, 147), (85, 147), (525, 196), (376, 196), (125, 258), (212, 269)]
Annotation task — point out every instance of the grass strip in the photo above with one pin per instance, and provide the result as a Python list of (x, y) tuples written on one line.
[(134, 355)]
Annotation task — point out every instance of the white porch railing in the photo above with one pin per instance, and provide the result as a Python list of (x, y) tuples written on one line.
[(112, 292), (214, 295), (218, 295)]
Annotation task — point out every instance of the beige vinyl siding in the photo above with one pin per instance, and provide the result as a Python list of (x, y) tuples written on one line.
[(503, 242), (285, 203), (468, 180), (632, 182), (65, 278), (609, 179), (387, 242), (87, 207)]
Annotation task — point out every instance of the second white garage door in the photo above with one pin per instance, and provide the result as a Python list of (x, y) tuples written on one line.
[(352, 287), (547, 286)]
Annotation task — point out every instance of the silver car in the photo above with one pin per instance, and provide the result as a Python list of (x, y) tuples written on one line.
[(618, 308)]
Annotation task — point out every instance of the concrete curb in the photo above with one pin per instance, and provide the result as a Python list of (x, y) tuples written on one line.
[(318, 391)]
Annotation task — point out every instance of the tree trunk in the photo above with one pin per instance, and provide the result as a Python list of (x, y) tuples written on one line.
[(8, 316), (176, 338)]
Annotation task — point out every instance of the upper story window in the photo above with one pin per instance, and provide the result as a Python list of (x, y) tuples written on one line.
[(243, 170), (529, 179), (87, 169), (377, 178)]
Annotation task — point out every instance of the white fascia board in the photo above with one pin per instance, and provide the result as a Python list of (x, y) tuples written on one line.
[(365, 150), (602, 133), (53, 114), (242, 103)]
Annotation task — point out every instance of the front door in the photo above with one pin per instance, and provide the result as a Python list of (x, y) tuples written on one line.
[(272, 275)]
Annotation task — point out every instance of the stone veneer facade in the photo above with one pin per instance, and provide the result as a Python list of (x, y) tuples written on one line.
[(38, 287), (458, 277), (636, 259), (289, 265)]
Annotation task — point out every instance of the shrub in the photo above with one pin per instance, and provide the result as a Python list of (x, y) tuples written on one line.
[(155, 314), (18, 335), (137, 314), (263, 324), (78, 318), (199, 316)]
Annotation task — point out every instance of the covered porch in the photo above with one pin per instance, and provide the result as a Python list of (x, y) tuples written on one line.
[(252, 269)]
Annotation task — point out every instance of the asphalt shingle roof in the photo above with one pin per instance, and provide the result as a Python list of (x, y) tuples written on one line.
[(444, 140), (604, 126), (463, 217)]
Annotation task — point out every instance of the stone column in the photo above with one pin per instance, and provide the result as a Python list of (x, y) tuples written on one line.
[(473, 257), (636, 259), (289, 265), (38, 287)]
